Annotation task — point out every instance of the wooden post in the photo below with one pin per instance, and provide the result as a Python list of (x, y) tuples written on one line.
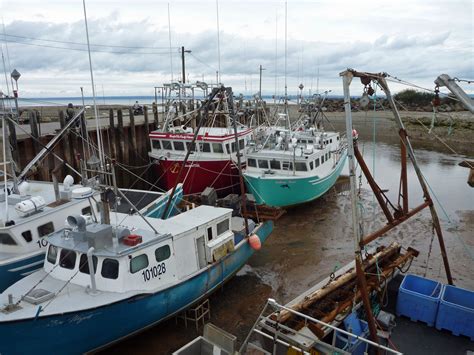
[(120, 142), (132, 137), (34, 131), (65, 146), (14, 144), (155, 116), (147, 129), (113, 147)]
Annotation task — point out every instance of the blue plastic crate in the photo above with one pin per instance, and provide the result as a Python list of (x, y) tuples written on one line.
[(418, 299), (456, 311), (358, 327)]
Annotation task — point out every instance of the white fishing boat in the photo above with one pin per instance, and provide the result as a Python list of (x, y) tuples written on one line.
[(293, 167), (145, 270)]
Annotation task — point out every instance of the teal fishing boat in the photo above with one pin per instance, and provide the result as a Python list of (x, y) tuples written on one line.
[(289, 172)]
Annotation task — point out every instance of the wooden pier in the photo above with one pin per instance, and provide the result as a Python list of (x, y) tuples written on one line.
[(124, 136)]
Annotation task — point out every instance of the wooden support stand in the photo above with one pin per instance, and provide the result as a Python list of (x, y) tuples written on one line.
[(196, 314)]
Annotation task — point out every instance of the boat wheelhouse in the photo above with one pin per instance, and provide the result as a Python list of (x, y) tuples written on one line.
[(212, 161), (145, 270), (289, 172)]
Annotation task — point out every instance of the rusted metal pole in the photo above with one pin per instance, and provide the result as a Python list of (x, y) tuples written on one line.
[(406, 141), (371, 237), (239, 164), (404, 176)]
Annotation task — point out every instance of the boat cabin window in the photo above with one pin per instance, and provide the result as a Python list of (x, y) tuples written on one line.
[(275, 164), (222, 226), (209, 234), (233, 147), (263, 164), (338, 138), (167, 145), (299, 166), (287, 165), (45, 229), (241, 144), (156, 144), (205, 147), (84, 264), (322, 159), (191, 146), (228, 148), (316, 163), (86, 211), (252, 162), (217, 148), (162, 253), (311, 166), (110, 269), (6, 239), (27, 236), (52, 254), (178, 145), (67, 259), (138, 263), (329, 155)]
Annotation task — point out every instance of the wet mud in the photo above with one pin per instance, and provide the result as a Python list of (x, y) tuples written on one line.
[(312, 240)]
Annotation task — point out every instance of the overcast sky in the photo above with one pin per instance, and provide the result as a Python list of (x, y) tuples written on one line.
[(414, 40)]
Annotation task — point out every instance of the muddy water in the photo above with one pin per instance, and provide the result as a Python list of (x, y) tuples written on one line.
[(312, 240)]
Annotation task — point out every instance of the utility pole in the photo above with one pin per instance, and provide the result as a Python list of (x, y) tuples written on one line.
[(260, 86), (183, 63)]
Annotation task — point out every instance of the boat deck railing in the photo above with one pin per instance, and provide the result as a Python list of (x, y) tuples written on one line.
[(279, 334)]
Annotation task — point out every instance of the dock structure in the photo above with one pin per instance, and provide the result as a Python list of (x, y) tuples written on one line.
[(125, 138)]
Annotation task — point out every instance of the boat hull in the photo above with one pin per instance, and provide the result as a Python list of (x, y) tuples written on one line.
[(284, 192), (12, 271), (79, 332), (222, 175)]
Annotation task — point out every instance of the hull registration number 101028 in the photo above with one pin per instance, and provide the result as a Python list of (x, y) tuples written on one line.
[(153, 272)]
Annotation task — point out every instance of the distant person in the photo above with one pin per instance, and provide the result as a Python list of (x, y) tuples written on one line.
[(137, 108), (70, 112)]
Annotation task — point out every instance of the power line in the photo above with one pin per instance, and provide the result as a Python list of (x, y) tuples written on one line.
[(85, 50), (84, 44)]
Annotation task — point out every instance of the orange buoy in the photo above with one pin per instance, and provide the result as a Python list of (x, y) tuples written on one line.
[(255, 242)]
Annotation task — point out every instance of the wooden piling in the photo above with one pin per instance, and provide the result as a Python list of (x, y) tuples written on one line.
[(120, 144), (147, 128), (113, 150), (155, 116), (14, 144), (34, 131)]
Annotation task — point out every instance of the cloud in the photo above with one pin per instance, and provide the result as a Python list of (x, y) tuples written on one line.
[(131, 55)]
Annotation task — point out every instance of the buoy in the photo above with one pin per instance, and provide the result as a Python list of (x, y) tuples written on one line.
[(255, 242), (355, 134)]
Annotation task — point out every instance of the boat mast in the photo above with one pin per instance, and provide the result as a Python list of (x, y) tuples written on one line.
[(286, 60)]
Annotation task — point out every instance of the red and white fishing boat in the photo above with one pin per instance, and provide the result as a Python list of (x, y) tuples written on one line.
[(213, 159)]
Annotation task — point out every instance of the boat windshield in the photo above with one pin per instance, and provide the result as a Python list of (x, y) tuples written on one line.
[(7, 239)]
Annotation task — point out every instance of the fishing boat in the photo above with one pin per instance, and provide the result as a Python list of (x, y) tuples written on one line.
[(294, 167), (145, 270), (213, 158), (34, 209)]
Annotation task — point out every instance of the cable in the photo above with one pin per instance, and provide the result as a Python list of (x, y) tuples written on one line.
[(85, 50), (85, 44)]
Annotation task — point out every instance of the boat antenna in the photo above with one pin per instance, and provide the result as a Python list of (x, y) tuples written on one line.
[(286, 60), (8, 53), (218, 45), (169, 38), (276, 56), (99, 140)]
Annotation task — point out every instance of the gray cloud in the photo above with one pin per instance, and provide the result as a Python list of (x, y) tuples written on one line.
[(420, 56)]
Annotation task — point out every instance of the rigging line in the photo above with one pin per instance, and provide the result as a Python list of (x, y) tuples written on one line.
[(434, 134), (407, 83), (201, 61), (44, 146), (85, 50), (84, 44), (169, 38), (218, 43)]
